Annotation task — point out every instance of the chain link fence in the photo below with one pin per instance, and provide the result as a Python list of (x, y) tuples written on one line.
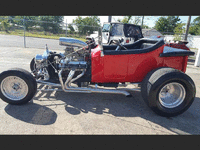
[(36, 34), (24, 33)]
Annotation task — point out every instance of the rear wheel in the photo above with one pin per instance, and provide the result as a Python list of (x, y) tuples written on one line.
[(168, 92), (17, 86), (172, 95)]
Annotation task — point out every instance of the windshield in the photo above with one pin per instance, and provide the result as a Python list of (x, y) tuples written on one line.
[(132, 31), (106, 28), (117, 30)]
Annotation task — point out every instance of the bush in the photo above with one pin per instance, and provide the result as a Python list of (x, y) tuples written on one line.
[(179, 30), (5, 26)]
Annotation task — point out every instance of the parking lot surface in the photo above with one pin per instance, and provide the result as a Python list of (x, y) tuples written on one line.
[(30, 42), (78, 113)]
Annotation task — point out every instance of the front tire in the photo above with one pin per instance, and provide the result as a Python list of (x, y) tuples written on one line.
[(17, 86), (168, 92)]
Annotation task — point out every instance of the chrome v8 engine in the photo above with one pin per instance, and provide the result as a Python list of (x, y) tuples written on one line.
[(73, 58)]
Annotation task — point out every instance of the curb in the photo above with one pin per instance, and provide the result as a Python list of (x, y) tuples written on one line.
[(192, 66)]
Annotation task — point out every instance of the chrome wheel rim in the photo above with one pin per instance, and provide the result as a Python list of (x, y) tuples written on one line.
[(172, 95), (14, 88)]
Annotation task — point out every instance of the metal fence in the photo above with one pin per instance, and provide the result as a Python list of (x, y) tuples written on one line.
[(23, 33)]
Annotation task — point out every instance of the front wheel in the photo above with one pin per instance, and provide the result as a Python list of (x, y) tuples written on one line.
[(168, 92), (17, 86)]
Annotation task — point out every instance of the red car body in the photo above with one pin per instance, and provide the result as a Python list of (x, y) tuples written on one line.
[(131, 67)]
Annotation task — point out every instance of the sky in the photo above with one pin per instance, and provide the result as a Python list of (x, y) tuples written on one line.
[(148, 20)]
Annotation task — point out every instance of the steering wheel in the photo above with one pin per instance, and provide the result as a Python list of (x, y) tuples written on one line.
[(118, 43), (113, 42)]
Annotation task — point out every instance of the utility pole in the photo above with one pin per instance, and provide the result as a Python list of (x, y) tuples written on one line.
[(109, 18), (66, 28), (142, 21), (24, 32), (187, 28)]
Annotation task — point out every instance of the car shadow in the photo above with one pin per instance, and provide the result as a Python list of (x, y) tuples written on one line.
[(32, 113), (115, 104), (120, 106)]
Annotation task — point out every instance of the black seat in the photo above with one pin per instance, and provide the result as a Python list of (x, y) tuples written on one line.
[(140, 46), (146, 45)]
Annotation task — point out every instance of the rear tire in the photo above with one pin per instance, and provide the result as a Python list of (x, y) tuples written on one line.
[(17, 86), (168, 92)]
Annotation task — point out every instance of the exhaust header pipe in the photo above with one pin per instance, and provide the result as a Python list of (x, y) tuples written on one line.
[(67, 87)]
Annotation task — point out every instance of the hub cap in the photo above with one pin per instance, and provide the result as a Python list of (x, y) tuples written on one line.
[(172, 95), (14, 88)]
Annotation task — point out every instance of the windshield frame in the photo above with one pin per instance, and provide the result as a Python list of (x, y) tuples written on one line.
[(106, 27)]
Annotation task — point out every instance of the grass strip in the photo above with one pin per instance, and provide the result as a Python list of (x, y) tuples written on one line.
[(39, 34)]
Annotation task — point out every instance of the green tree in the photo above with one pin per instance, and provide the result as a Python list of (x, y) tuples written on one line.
[(137, 20), (126, 19), (51, 23), (5, 25), (29, 21), (87, 24), (131, 19), (179, 30), (56, 26), (11, 20), (44, 24), (195, 27), (167, 24)]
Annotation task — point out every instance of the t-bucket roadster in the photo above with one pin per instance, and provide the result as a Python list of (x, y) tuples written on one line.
[(85, 67)]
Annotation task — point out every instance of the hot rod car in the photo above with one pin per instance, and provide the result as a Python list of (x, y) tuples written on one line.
[(86, 67)]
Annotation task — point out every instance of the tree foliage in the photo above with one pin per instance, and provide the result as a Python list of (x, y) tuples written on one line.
[(51, 23), (4, 23), (167, 24), (131, 19), (179, 30), (126, 19), (28, 22), (137, 20), (195, 27), (87, 24)]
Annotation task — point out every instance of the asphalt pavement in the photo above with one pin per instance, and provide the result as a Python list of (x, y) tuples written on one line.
[(79, 113), (31, 42)]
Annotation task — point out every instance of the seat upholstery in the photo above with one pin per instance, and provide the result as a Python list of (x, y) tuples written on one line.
[(140, 46)]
